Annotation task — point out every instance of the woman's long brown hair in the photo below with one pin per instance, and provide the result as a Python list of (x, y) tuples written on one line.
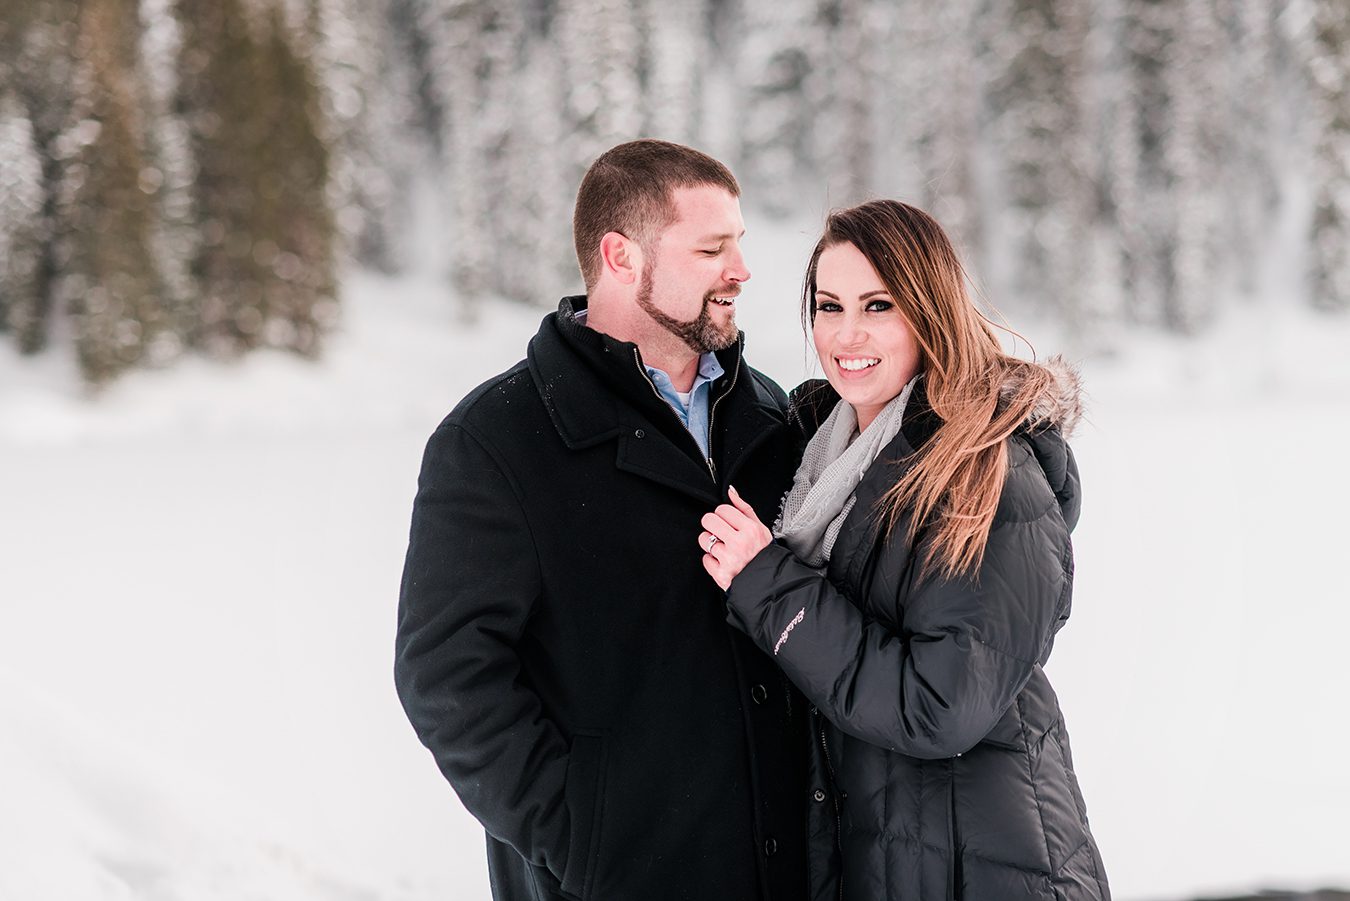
[(980, 393)]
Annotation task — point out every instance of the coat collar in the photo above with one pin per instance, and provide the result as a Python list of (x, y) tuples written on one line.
[(813, 400), (596, 389)]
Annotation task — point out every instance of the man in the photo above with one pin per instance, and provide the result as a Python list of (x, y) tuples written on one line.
[(560, 649)]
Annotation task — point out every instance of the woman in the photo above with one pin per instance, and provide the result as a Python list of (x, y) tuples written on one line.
[(922, 570)]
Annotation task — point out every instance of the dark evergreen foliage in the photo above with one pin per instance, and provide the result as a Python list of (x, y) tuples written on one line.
[(265, 267)]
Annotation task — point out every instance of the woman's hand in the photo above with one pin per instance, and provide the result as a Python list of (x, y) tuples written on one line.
[(732, 534)]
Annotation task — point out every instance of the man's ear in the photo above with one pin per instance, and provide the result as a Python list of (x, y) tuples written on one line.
[(621, 258)]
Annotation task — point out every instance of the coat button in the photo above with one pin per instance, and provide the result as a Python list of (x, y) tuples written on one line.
[(640, 434), (819, 796), (759, 694), (770, 847)]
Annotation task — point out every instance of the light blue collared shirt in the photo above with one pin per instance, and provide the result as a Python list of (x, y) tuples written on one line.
[(693, 414)]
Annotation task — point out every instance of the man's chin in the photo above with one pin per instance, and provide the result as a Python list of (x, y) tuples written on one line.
[(714, 341)]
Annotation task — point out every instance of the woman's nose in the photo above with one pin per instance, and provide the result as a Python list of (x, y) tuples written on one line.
[(851, 331)]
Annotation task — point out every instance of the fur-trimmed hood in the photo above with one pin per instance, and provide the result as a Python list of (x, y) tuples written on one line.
[(1052, 420), (1061, 404)]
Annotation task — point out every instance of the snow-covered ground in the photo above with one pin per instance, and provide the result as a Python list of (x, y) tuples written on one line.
[(199, 573)]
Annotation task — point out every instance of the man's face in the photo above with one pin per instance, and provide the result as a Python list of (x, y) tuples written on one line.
[(692, 273)]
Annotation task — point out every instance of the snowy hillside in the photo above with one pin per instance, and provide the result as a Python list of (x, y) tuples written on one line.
[(200, 572)]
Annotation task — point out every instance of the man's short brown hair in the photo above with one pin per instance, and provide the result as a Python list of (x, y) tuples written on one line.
[(630, 190)]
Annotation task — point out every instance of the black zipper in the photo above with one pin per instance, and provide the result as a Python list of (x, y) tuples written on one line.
[(712, 412)]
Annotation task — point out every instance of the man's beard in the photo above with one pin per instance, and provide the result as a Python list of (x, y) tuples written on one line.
[(701, 333)]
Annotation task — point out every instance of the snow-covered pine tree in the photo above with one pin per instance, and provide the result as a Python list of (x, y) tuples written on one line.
[(1040, 99), (1199, 173), (107, 279), (1249, 111), (300, 298), (367, 107), (472, 50), (930, 64), (169, 175), (844, 130), (778, 63), (37, 39), (266, 261), (674, 55), (1140, 177), (1102, 303), (21, 221), (537, 226), (1329, 240)]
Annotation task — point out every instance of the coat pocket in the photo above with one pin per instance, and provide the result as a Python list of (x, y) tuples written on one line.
[(585, 806)]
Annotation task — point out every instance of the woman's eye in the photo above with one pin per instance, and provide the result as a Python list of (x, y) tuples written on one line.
[(827, 306), (879, 306)]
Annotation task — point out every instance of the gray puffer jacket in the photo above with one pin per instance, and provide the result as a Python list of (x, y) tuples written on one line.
[(941, 762)]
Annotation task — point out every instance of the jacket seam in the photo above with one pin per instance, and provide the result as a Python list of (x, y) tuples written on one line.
[(975, 855), (1092, 858), (1048, 509), (1009, 654), (1035, 794)]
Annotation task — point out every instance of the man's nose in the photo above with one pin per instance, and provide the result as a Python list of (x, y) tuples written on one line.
[(736, 270)]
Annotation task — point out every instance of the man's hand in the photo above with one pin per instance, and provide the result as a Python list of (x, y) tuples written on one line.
[(732, 534)]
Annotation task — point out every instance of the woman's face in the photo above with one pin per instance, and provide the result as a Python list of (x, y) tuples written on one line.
[(866, 348)]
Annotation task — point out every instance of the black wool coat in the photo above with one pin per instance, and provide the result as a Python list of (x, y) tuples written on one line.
[(564, 655), (942, 767)]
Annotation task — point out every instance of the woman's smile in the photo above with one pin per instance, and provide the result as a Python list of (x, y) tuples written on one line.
[(855, 366)]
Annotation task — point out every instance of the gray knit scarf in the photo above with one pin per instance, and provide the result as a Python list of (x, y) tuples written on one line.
[(822, 492)]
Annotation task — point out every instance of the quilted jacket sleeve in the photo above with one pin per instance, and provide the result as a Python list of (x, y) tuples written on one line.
[(963, 650), (470, 581)]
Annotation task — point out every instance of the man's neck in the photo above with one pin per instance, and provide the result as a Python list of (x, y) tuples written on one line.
[(660, 349), (680, 371)]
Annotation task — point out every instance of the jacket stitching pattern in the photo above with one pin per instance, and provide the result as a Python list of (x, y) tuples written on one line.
[(1092, 858), (1035, 794)]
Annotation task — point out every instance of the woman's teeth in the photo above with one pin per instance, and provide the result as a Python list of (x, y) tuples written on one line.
[(858, 364)]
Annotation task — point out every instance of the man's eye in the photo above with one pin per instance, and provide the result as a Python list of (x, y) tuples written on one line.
[(714, 252)]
